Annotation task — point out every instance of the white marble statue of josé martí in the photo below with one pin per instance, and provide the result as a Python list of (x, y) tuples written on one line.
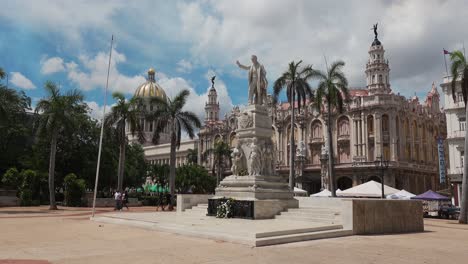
[(257, 81)]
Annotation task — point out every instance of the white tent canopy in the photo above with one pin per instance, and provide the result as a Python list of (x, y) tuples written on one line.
[(368, 189), (402, 195), (324, 193)]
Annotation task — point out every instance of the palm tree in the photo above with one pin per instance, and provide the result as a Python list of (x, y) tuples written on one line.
[(295, 81), (125, 111), (332, 89), (58, 114), (169, 116), (221, 151), (192, 156), (459, 70)]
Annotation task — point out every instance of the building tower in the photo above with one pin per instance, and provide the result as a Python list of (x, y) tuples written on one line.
[(212, 106), (377, 69)]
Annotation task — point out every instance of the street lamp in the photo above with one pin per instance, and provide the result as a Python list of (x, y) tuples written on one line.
[(382, 164)]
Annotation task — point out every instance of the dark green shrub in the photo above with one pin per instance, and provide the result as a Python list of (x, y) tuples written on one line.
[(12, 179), (74, 190), (26, 197), (30, 188)]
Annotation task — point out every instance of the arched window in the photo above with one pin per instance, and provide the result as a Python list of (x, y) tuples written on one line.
[(370, 124), (415, 130), (373, 79), (343, 126), (385, 123), (380, 78), (317, 129)]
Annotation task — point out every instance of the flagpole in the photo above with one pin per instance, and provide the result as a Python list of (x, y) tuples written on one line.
[(445, 60), (102, 129)]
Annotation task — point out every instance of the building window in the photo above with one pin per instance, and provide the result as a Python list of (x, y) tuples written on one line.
[(459, 97), (462, 123), (462, 158), (380, 78)]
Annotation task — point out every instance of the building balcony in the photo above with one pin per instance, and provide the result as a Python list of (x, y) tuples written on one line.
[(342, 138), (460, 134), (457, 105), (316, 140)]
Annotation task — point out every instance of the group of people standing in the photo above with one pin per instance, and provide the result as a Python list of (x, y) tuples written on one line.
[(121, 200)]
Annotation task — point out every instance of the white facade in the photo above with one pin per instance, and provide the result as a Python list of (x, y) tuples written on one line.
[(160, 154), (456, 126)]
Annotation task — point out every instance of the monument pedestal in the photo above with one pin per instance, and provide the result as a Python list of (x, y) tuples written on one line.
[(261, 194)]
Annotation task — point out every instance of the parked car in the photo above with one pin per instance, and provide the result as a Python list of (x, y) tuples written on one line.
[(449, 212)]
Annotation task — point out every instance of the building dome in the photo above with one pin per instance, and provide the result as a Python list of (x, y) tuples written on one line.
[(150, 88)]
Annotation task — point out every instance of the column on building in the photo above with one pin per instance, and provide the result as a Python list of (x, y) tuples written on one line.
[(378, 145), (393, 137)]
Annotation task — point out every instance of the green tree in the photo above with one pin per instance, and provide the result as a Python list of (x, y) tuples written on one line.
[(2, 73), (169, 116), (221, 153), (195, 179), (16, 127), (160, 173), (192, 156), (58, 114), (333, 90), (295, 81), (459, 70), (74, 190), (12, 179), (125, 111)]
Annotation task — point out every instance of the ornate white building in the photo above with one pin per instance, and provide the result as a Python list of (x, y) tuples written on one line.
[(456, 127), (376, 122)]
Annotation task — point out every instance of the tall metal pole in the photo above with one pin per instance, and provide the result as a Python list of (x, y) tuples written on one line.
[(102, 129)]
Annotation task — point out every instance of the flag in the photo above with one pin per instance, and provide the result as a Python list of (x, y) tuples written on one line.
[(447, 52)]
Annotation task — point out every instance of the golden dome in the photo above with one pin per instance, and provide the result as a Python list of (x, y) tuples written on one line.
[(150, 88)]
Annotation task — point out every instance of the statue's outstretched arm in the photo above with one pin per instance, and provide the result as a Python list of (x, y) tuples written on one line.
[(242, 66)]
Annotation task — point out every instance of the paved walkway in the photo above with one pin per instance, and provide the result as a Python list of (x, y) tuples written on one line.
[(70, 238)]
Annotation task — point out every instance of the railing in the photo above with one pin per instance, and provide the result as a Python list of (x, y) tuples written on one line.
[(456, 105), (343, 137), (457, 134), (316, 140)]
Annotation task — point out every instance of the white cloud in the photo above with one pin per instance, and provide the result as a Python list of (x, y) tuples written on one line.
[(96, 110), (413, 34), (91, 73), (21, 81), (184, 66), (52, 65)]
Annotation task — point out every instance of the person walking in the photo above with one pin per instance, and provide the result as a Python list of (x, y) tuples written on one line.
[(118, 201), (160, 190), (125, 199)]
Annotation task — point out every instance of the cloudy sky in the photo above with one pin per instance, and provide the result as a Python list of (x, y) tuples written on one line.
[(187, 42)]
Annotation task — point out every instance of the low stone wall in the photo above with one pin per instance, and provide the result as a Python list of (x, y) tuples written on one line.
[(8, 198), (9, 201), (110, 202), (372, 216), (376, 216), (187, 201)]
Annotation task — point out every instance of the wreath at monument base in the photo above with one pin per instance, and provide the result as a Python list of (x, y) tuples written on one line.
[(225, 209)]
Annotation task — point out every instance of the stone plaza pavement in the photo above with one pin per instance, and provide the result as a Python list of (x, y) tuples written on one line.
[(68, 236)]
